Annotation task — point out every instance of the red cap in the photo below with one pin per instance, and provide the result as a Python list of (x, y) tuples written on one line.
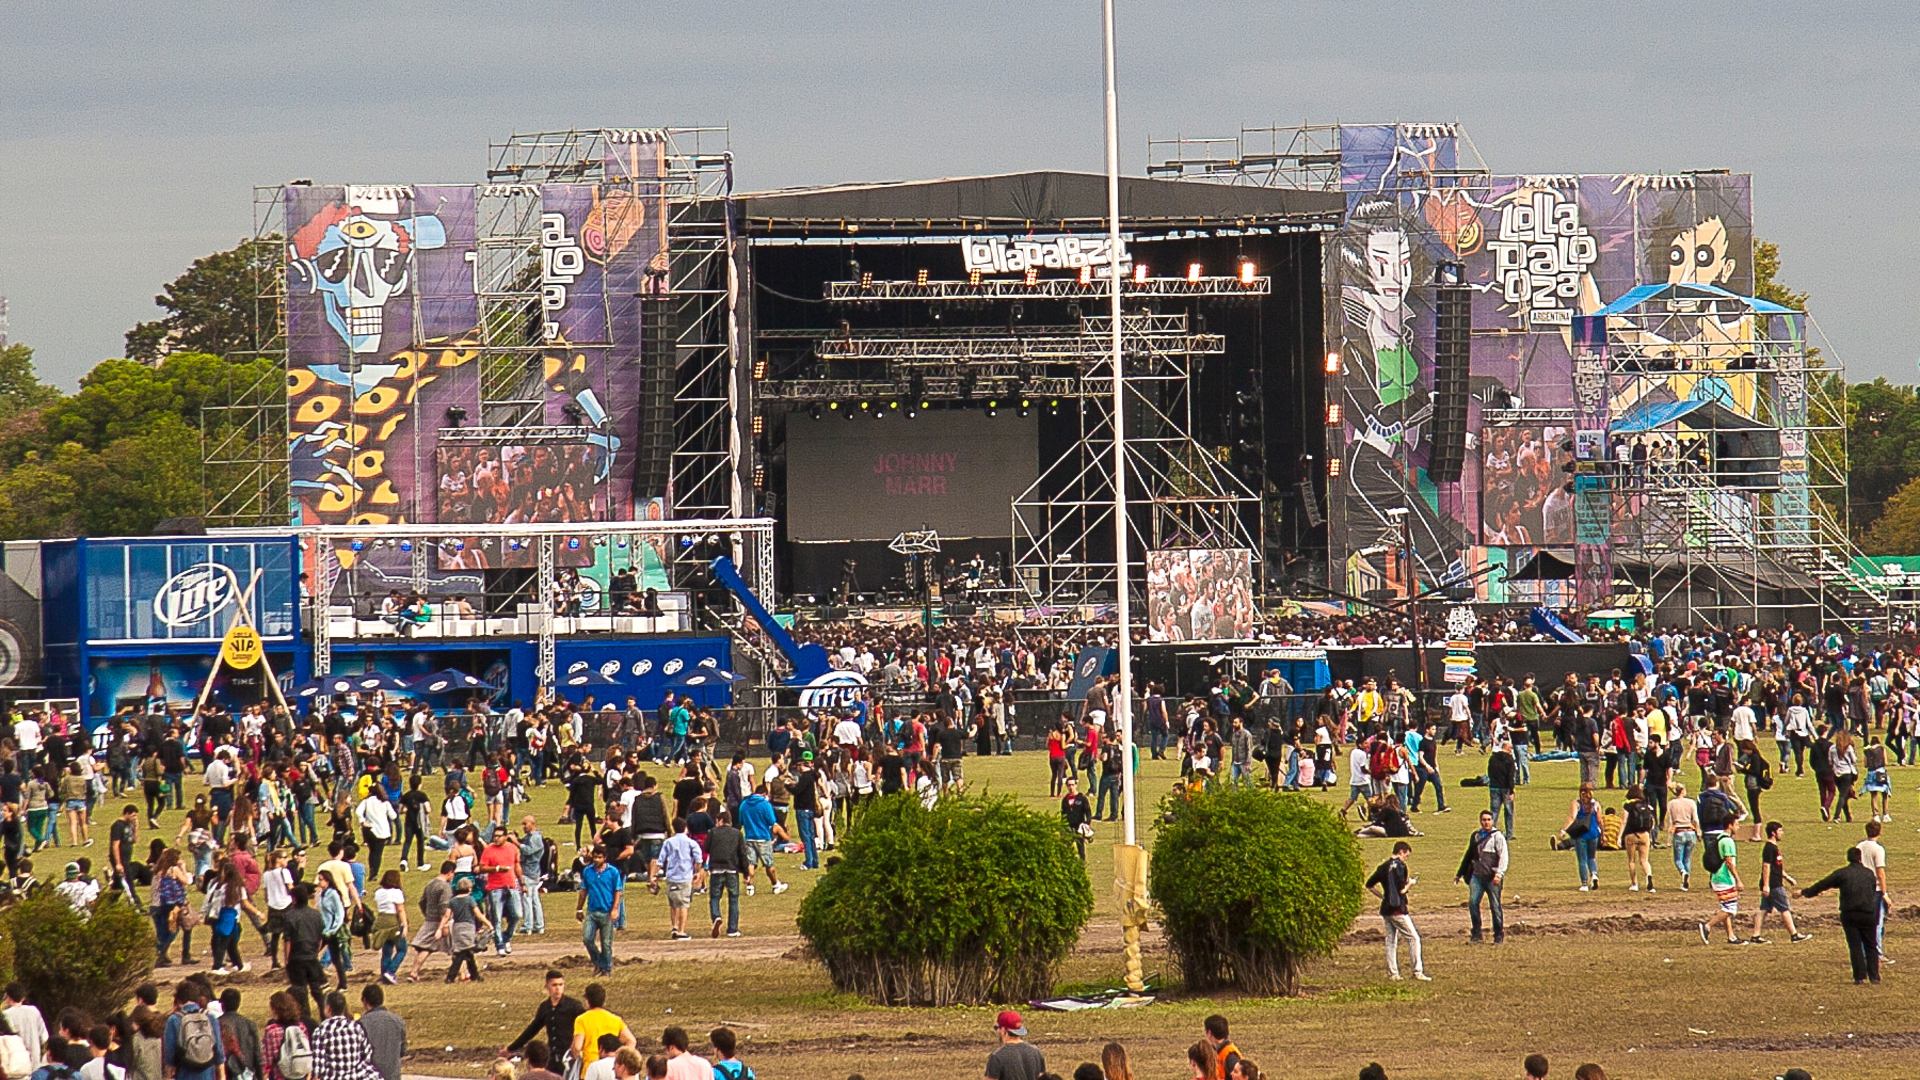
[(1009, 1021)]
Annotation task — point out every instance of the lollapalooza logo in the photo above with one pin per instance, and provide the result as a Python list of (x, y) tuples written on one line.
[(562, 260), (195, 595), (1540, 253), (1003, 255)]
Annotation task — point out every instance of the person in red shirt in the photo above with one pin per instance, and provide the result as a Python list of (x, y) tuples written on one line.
[(500, 862)]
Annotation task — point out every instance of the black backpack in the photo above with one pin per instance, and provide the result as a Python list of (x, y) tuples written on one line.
[(1710, 857)]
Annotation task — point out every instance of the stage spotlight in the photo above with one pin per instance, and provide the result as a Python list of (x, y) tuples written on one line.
[(912, 412), (878, 413), (1333, 466), (865, 405), (1023, 409), (1333, 414), (1246, 273), (814, 412), (760, 368), (1333, 362), (866, 280), (831, 405), (893, 404), (973, 277), (357, 545), (573, 543), (850, 413), (993, 408), (456, 415), (1139, 273), (759, 424), (406, 545), (1033, 276), (1019, 311), (575, 415), (1193, 271), (1025, 401), (1086, 275), (686, 541), (921, 277)]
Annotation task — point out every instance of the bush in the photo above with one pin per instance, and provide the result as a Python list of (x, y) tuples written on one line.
[(976, 900), (92, 963), (1249, 884)]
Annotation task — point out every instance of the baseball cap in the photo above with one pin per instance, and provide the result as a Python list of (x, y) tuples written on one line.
[(1009, 1022), (73, 871)]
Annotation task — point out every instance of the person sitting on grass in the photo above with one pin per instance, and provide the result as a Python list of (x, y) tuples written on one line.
[(1385, 818)]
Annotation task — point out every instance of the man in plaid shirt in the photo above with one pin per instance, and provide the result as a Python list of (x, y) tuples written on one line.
[(340, 1047)]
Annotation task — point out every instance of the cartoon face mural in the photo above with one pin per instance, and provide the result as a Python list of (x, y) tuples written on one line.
[(1699, 255), (359, 262)]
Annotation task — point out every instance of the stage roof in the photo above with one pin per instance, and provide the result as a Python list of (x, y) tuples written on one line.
[(1032, 200)]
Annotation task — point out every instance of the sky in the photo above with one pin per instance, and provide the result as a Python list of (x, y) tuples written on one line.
[(131, 135)]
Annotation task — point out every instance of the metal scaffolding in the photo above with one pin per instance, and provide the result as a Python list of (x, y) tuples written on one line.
[(243, 441)]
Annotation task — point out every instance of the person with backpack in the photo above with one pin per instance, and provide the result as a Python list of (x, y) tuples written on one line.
[(727, 1066), (286, 1045), (1636, 838), (1718, 857), (191, 1047)]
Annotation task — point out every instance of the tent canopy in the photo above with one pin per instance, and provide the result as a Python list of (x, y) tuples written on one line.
[(1641, 294)]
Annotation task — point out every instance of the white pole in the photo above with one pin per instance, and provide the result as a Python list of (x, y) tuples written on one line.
[(1129, 855), (1123, 699)]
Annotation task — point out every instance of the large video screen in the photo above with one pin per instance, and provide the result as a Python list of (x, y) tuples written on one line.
[(1524, 500), (513, 484), (953, 471), (1200, 594)]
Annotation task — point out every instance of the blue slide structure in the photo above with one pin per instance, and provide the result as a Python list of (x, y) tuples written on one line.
[(1549, 624), (809, 661)]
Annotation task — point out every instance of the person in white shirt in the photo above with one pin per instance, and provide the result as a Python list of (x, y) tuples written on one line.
[(375, 816), (80, 892), (847, 731), (1359, 782), (26, 1022), (26, 736), (1742, 723), (1874, 857)]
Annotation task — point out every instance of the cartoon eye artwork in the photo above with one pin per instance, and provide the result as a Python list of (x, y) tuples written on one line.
[(1703, 256), (1677, 255), (392, 265), (334, 264)]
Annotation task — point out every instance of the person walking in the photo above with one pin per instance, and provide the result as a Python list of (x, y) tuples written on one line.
[(680, 865), (1390, 882), (1500, 781), (1874, 857), (1077, 812), (1721, 863), (340, 1047), (1636, 838), (554, 1019), (304, 931), (432, 936), (726, 863), (1583, 835), (1482, 868), (1859, 913), (1683, 829), (192, 1048), (499, 861), (389, 933), (465, 923), (386, 1032), (1774, 880), (601, 900)]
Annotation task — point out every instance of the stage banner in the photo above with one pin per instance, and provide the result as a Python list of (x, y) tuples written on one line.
[(1539, 252), (380, 317)]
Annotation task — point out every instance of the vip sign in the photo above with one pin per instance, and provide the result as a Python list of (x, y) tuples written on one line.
[(195, 595), (241, 648), (1006, 255), (1541, 252)]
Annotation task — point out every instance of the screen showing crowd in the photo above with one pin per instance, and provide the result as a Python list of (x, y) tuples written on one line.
[(1200, 594), (514, 484), (1526, 498)]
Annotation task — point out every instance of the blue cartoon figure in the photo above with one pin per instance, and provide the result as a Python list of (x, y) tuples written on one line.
[(359, 261)]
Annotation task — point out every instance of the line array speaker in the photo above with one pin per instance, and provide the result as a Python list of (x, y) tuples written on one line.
[(1452, 363)]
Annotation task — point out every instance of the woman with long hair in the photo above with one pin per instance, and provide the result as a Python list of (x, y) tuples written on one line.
[(1846, 770), (284, 1014), (333, 924), (225, 896), (144, 1051), (1113, 1062), (1200, 1055), (169, 908), (1057, 741), (1583, 835), (40, 797)]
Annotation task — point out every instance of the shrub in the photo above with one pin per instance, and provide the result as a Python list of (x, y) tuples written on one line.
[(1249, 884), (976, 900), (92, 963)]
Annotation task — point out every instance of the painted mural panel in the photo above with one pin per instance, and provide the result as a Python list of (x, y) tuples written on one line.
[(1537, 251)]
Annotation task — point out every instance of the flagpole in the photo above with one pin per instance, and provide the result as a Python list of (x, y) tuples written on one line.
[(1130, 862)]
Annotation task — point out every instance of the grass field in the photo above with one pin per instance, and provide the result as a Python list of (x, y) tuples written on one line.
[(1610, 976)]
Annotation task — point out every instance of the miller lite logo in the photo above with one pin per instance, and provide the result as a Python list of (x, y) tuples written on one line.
[(673, 666), (195, 595), (641, 667)]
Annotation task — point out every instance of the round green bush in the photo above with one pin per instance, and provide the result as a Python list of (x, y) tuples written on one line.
[(92, 962), (976, 900), (1249, 884)]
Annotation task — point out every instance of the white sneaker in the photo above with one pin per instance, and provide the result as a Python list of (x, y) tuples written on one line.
[(1633, 888), (749, 888), (1584, 888), (779, 887), (244, 968), (403, 866), (1423, 976)]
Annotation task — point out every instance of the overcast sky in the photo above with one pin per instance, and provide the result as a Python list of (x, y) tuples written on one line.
[(131, 134)]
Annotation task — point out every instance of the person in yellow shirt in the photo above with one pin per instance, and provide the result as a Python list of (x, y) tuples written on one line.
[(592, 1024)]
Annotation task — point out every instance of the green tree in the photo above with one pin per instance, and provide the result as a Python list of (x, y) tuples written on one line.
[(1883, 446), (39, 497), (1766, 273), (1251, 884), (1897, 530), (972, 901), (20, 387), (215, 307)]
